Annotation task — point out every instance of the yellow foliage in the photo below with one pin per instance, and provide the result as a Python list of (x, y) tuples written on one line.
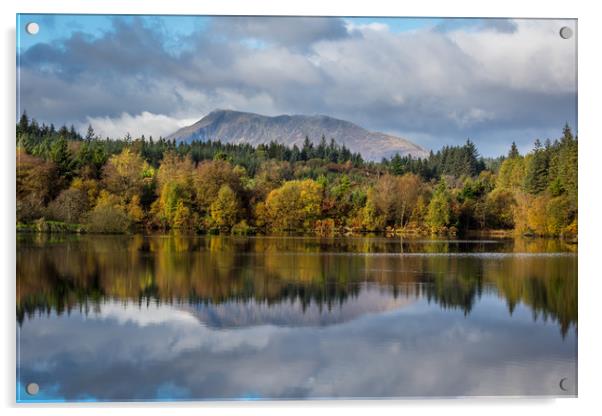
[(175, 169), (294, 205), (536, 215), (511, 174), (210, 176), (499, 208), (325, 227), (89, 186), (224, 210), (182, 216), (134, 209), (172, 209), (371, 220), (126, 174), (107, 199), (543, 215)]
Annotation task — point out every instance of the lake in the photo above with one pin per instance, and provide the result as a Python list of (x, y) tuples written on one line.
[(167, 317)]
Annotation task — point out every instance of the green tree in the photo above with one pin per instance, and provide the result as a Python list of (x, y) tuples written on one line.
[(536, 170), (439, 209), (61, 156), (90, 134), (173, 207), (513, 153), (23, 125), (499, 209), (512, 174)]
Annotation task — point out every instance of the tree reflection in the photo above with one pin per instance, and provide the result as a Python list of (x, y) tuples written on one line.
[(57, 274)]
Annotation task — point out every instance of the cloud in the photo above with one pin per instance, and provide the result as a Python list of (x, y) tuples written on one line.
[(362, 27), (512, 80), (477, 25), (499, 25), (296, 32), (136, 125)]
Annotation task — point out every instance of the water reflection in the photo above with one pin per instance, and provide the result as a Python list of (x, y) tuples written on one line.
[(181, 317), (58, 273)]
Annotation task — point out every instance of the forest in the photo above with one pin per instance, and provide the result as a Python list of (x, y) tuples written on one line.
[(67, 182)]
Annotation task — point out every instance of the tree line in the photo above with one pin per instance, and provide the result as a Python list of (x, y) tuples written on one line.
[(66, 181)]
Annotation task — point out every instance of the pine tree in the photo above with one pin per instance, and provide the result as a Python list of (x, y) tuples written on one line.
[(513, 151), (536, 176), (567, 134), (90, 133), (60, 154), (23, 126)]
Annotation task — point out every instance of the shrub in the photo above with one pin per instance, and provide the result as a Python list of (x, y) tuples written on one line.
[(108, 219), (243, 228), (29, 208)]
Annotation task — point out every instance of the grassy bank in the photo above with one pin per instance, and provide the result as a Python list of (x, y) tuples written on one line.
[(44, 226), (58, 227)]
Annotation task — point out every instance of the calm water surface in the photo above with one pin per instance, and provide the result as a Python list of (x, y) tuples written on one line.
[(120, 318)]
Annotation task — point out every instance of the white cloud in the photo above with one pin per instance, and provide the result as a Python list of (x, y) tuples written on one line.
[(145, 123), (363, 27), (533, 57)]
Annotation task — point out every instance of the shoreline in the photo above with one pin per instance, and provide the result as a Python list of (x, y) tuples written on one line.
[(56, 227)]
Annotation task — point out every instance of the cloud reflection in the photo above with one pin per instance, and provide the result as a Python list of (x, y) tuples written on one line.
[(417, 350)]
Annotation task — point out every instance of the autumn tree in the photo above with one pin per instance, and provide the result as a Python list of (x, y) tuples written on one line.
[(371, 218), (108, 216), (225, 208), (36, 185), (69, 206), (173, 207), (409, 189), (174, 168), (439, 209), (395, 197), (127, 174), (499, 209), (385, 198), (295, 205), (271, 175), (209, 177)]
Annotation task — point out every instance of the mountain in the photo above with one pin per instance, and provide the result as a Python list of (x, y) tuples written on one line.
[(238, 127)]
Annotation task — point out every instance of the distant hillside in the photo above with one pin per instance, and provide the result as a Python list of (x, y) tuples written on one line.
[(239, 127)]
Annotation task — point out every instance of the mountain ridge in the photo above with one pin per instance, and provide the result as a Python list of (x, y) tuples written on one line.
[(230, 126)]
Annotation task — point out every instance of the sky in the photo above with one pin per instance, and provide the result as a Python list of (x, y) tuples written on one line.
[(433, 81)]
